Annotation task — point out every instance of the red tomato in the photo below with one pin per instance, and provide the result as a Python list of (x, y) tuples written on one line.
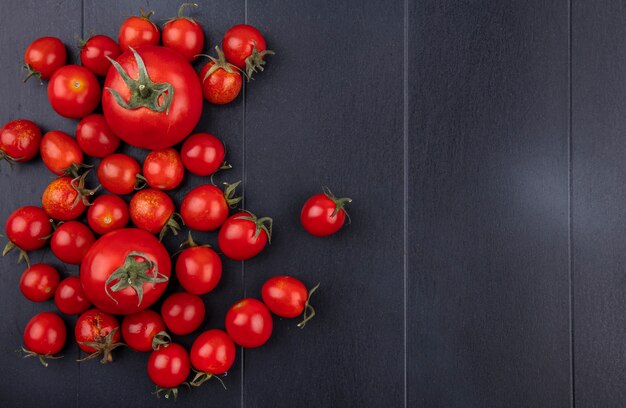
[(97, 333), (183, 312), (184, 34), (118, 173), (59, 152), (288, 297), (244, 235), (106, 270), (221, 81), (249, 323), (44, 56), (74, 91), (163, 169), (212, 353), (144, 112), (169, 367), (39, 282), (202, 154), (70, 297), (27, 228), (65, 198), (44, 336), (324, 214), (19, 140), (144, 331), (198, 268), (244, 47), (138, 30), (71, 241), (205, 208), (94, 53), (107, 213), (95, 137), (153, 210)]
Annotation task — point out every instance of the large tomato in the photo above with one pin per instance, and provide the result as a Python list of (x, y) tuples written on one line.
[(152, 97), (125, 271)]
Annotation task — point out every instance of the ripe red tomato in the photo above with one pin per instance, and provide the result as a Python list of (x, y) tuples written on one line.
[(203, 154), (39, 282), (118, 173), (205, 208), (198, 268), (324, 214), (95, 137), (183, 312), (97, 333), (44, 336), (244, 235), (27, 228), (74, 91), (221, 81), (159, 108), (70, 298), (19, 140), (244, 47), (59, 152), (144, 331), (109, 264), (138, 30), (212, 353), (287, 297), (94, 53), (107, 213), (153, 210), (249, 323), (163, 169), (44, 56), (184, 34), (71, 241), (65, 198), (169, 367)]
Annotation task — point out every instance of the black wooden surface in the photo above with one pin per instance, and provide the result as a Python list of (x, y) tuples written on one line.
[(482, 143)]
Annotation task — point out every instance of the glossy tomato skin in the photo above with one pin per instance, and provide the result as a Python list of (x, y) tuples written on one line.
[(146, 128), (185, 36), (94, 326), (151, 210), (221, 87), (204, 208), (108, 254), (137, 31), (169, 366), (213, 352), (95, 137), (74, 91), (45, 334), (183, 312), (61, 200), (107, 213), (28, 228), (59, 151), (19, 140), (71, 241), (285, 296), (94, 53), (163, 169), (249, 323), (198, 269), (45, 55), (239, 41), (70, 298), (139, 329), (318, 216), (237, 240), (118, 173), (202, 154), (39, 282)]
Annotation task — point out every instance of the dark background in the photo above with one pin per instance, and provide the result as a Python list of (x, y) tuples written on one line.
[(483, 143)]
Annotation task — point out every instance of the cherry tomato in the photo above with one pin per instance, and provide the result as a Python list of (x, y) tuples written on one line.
[(243, 235), (144, 331), (19, 140), (97, 333), (65, 198), (44, 336), (202, 154), (184, 34), (27, 228), (118, 173), (205, 208), (107, 213), (198, 268), (163, 169), (213, 353), (39, 282), (288, 297), (95, 137), (324, 214), (244, 47), (94, 53), (59, 151), (183, 312), (221, 81), (153, 210), (249, 323), (74, 91), (169, 366), (138, 30), (44, 56), (71, 241), (70, 297)]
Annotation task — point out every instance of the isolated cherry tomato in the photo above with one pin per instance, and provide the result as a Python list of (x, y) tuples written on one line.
[(97, 333), (153, 210), (94, 53), (205, 208), (169, 366), (213, 353), (71, 241), (70, 298), (287, 297), (27, 228), (19, 140), (184, 34), (324, 214), (118, 173), (244, 47), (44, 56), (107, 213), (183, 312), (59, 151), (138, 30), (74, 91), (144, 331), (221, 81), (198, 269), (243, 235), (202, 154), (65, 198), (44, 335), (39, 282), (163, 169), (249, 323), (95, 137)]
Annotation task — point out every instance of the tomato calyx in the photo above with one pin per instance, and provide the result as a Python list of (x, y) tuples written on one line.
[(84, 193), (75, 169), (255, 61), (9, 159), (181, 13), (32, 73), (191, 243), (202, 376), (134, 274), (229, 194), (104, 345), (146, 15), (219, 63), (262, 224), (42, 357), (309, 311), (171, 225), (169, 391), (162, 338), (339, 202), (23, 255)]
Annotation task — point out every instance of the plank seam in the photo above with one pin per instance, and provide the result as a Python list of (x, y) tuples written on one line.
[(405, 161), (570, 218)]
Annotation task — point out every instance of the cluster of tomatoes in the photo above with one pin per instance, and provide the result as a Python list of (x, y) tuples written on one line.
[(152, 98)]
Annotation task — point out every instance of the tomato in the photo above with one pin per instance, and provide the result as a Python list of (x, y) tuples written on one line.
[(71, 241), (287, 297), (60, 152), (66, 198), (249, 323), (118, 173), (163, 169), (106, 271), (203, 154), (183, 312), (244, 47), (169, 367), (74, 91), (153, 210), (44, 336), (244, 235), (19, 140), (184, 34), (159, 108), (94, 53), (198, 268), (107, 213), (70, 297), (39, 282), (144, 331), (138, 30), (212, 353), (27, 228), (97, 333), (44, 56), (221, 81), (324, 214), (95, 137), (205, 208)]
